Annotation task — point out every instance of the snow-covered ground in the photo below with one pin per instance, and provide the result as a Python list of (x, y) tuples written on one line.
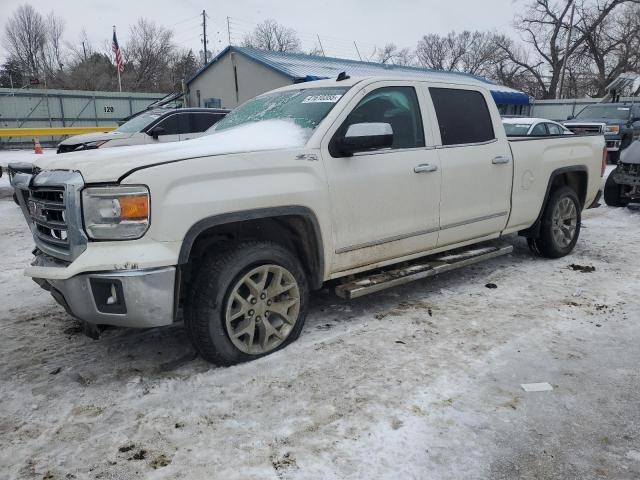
[(418, 382)]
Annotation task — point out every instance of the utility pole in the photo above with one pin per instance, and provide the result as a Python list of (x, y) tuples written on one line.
[(357, 51), (204, 34), (566, 50), (84, 50), (321, 47), (229, 30)]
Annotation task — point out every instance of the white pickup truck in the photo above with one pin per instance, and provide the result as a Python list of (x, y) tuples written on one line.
[(373, 181)]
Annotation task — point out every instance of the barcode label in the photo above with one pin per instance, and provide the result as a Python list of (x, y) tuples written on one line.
[(322, 99)]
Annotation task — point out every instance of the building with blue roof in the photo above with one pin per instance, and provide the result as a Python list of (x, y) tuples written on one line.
[(237, 74)]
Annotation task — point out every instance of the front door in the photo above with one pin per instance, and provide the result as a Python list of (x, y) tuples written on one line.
[(477, 166), (384, 202)]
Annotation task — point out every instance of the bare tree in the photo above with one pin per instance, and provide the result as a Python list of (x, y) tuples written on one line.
[(469, 52), (54, 50), (25, 37), (613, 47), (270, 35), (147, 56), (393, 55), (544, 27)]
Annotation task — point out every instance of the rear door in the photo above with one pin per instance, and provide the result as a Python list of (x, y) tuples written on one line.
[(384, 203), (476, 165)]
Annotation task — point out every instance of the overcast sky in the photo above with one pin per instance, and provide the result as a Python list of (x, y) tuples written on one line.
[(338, 22)]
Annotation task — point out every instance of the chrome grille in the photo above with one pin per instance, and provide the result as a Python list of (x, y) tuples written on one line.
[(583, 129), (50, 201), (47, 207)]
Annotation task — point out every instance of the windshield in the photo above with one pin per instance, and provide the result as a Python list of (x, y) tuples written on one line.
[(611, 112), (516, 129), (138, 122), (305, 107)]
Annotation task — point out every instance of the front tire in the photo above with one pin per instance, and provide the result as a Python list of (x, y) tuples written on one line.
[(612, 192), (248, 300), (560, 225)]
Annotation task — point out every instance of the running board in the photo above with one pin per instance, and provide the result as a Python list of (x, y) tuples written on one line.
[(425, 267)]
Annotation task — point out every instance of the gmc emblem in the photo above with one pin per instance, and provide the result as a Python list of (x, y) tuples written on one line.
[(36, 211)]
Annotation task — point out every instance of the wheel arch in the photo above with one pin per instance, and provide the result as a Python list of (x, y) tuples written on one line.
[(295, 227), (574, 176)]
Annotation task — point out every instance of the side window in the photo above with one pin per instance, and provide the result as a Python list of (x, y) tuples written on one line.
[(463, 116), (170, 125), (554, 129), (539, 130), (202, 121), (397, 106)]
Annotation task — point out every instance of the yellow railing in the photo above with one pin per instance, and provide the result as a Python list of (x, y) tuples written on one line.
[(47, 132)]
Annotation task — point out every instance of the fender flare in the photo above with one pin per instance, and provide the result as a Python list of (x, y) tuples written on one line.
[(317, 273), (533, 230)]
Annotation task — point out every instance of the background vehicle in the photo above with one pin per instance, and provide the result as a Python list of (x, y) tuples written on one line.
[(533, 127), (305, 184), (623, 183), (152, 126), (620, 123)]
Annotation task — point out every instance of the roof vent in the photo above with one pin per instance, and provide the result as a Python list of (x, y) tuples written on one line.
[(342, 76)]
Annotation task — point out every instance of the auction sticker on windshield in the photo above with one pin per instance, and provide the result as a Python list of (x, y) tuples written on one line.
[(322, 99)]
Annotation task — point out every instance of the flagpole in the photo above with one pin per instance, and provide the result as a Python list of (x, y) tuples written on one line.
[(118, 66)]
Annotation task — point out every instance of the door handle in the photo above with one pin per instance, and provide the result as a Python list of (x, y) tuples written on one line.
[(425, 167), (500, 159)]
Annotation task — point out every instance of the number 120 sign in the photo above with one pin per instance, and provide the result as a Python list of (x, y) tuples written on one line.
[(109, 109)]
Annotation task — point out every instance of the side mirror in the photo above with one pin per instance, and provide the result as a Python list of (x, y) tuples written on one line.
[(361, 137), (155, 132), (570, 117)]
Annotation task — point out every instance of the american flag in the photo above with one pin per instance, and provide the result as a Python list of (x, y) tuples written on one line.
[(116, 51)]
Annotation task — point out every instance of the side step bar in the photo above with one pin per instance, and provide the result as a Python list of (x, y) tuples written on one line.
[(423, 268)]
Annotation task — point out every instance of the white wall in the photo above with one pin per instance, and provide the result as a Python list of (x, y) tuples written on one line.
[(217, 81)]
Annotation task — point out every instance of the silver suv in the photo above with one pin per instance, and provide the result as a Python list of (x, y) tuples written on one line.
[(152, 126)]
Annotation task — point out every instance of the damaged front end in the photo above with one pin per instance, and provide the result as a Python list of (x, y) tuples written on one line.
[(627, 174), (51, 202)]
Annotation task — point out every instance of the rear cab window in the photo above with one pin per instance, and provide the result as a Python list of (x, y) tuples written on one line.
[(463, 116)]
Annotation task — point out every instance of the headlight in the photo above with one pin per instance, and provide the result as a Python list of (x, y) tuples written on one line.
[(611, 128), (92, 145), (116, 212)]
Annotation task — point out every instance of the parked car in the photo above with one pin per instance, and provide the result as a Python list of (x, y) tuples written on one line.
[(620, 123), (328, 180), (623, 183), (533, 127), (152, 126)]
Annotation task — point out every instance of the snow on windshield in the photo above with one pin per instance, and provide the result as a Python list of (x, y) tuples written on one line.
[(307, 107), (266, 135)]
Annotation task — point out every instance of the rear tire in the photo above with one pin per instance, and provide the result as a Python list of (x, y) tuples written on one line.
[(560, 225), (612, 192), (247, 300)]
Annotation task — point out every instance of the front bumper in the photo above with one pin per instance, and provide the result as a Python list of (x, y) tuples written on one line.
[(133, 298)]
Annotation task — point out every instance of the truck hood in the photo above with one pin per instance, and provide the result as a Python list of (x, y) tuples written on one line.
[(94, 137), (113, 163)]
